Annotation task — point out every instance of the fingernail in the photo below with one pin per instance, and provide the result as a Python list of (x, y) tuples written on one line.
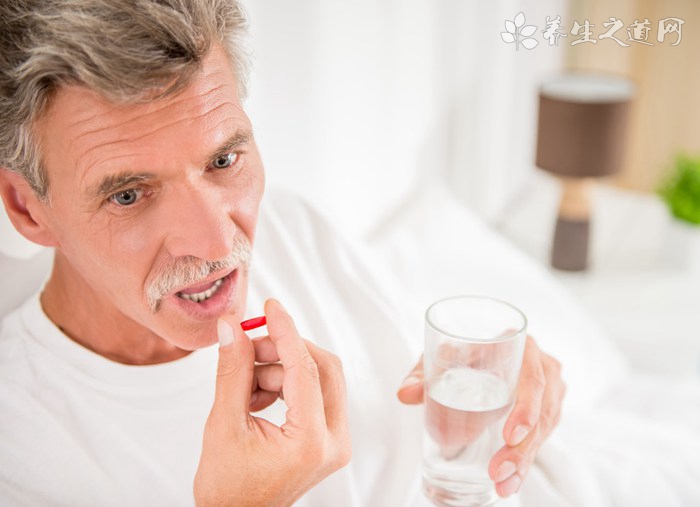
[(253, 398), (409, 381), (518, 435), (505, 470), (225, 332), (511, 485)]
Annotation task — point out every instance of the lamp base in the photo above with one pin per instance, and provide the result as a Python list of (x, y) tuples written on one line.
[(570, 246)]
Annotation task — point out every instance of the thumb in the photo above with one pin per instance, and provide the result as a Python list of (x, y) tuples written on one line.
[(234, 376), (411, 390)]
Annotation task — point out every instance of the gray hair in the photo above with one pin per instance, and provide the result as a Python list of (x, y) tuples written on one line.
[(125, 50)]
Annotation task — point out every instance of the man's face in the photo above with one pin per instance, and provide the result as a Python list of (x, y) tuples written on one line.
[(143, 195)]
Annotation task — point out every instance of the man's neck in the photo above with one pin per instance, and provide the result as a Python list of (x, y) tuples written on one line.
[(98, 325)]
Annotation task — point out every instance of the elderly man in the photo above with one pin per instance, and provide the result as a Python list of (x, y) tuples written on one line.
[(124, 146)]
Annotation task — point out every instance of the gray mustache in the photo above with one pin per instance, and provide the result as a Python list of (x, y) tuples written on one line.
[(189, 270)]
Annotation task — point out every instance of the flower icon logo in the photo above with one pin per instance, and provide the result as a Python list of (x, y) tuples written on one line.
[(516, 32)]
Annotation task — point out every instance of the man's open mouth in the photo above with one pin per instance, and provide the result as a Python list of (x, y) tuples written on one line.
[(207, 299), (197, 295)]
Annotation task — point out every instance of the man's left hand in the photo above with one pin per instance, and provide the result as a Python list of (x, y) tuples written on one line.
[(539, 397)]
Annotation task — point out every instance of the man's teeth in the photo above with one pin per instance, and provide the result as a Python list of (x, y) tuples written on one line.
[(198, 297)]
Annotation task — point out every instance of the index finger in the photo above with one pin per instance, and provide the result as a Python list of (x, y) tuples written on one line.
[(301, 384), (529, 394), (331, 377)]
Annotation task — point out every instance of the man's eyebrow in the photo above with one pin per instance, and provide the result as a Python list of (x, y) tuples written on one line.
[(115, 182), (238, 139)]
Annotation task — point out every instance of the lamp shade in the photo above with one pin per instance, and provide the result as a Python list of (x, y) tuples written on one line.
[(581, 135), (581, 128)]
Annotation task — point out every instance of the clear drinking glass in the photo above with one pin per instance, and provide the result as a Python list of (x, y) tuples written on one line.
[(473, 352)]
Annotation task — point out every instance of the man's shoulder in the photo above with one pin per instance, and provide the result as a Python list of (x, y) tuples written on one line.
[(290, 206), (13, 335), (301, 251), (21, 357), (23, 273), (289, 225)]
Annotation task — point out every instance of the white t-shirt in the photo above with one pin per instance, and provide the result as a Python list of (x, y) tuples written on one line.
[(77, 429)]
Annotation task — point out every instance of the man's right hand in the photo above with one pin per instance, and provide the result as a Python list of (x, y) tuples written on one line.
[(249, 461)]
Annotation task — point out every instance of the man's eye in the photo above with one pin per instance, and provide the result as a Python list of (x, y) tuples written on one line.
[(225, 161), (126, 197)]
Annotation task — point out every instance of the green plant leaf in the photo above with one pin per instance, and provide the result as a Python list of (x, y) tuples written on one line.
[(681, 189)]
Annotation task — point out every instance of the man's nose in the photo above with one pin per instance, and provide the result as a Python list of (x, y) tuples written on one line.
[(199, 224)]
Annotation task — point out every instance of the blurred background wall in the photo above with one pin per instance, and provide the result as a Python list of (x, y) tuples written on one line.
[(359, 104), (665, 119)]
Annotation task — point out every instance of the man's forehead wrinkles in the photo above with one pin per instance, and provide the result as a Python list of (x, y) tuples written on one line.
[(107, 161), (92, 115), (135, 116), (174, 104), (118, 142), (86, 111)]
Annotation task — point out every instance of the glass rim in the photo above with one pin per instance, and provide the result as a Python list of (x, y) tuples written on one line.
[(500, 339)]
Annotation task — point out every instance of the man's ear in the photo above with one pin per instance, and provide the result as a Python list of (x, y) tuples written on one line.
[(23, 208)]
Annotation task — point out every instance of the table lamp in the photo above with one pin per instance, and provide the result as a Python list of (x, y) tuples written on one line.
[(581, 135)]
